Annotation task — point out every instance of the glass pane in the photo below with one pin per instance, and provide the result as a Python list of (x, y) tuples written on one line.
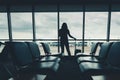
[(3, 26), (46, 28), (115, 25), (22, 25), (96, 26), (74, 22), (46, 25)]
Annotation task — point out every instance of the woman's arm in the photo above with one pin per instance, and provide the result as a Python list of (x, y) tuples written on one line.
[(71, 35)]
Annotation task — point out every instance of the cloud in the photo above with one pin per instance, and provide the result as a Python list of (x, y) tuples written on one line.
[(21, 22), (3, 27)]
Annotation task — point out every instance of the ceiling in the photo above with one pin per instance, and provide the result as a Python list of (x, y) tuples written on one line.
[(29, 2), (62, 5)]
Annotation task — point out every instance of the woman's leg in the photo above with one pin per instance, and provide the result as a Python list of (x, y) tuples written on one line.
[(68, 49), (62, 48)]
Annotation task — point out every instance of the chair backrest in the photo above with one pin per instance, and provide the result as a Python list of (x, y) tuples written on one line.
[(113, 57), (1, 47), (34, 49), (104, 49), (4, 73), (4, 54), (7, 62), (46, 48), (94, 48), (20, 53)]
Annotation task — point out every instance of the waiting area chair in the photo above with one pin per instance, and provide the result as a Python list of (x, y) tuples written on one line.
[(24, 62), (110, 66), (103, 52), (36, 53), (94, 47), (48, 52), (24, 58), (5, 74)]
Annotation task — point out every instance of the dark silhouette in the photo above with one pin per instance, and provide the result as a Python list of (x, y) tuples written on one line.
[(63, 35)]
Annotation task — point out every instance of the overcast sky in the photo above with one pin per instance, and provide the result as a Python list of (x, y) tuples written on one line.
[(46, 25)]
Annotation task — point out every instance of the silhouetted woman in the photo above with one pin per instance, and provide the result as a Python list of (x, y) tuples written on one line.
[(63, 34)]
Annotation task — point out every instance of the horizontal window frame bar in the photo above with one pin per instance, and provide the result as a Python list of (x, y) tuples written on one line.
[(57, 40)]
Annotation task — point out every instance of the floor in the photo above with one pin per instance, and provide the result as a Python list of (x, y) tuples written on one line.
[(68, 70)]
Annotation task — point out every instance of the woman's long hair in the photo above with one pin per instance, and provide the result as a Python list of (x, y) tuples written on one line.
[(64, 26)]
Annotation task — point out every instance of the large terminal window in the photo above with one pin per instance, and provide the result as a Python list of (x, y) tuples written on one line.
[(95, 27), (3, 26), (46, 25), (74, 21), (115, 25), (21, 25), (46, 29)]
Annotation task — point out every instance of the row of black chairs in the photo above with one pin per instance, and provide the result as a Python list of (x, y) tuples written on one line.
[(21, 58), (106, 63)]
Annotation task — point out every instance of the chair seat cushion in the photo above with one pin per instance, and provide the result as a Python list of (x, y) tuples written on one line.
[(45, 67), (87, 59), (93, 68), (83, 54), (50, 58)]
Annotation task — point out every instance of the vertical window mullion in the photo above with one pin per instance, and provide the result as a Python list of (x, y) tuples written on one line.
[(109, 24), (9, 23), (58, 22), (33, 24), (83, 31)]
